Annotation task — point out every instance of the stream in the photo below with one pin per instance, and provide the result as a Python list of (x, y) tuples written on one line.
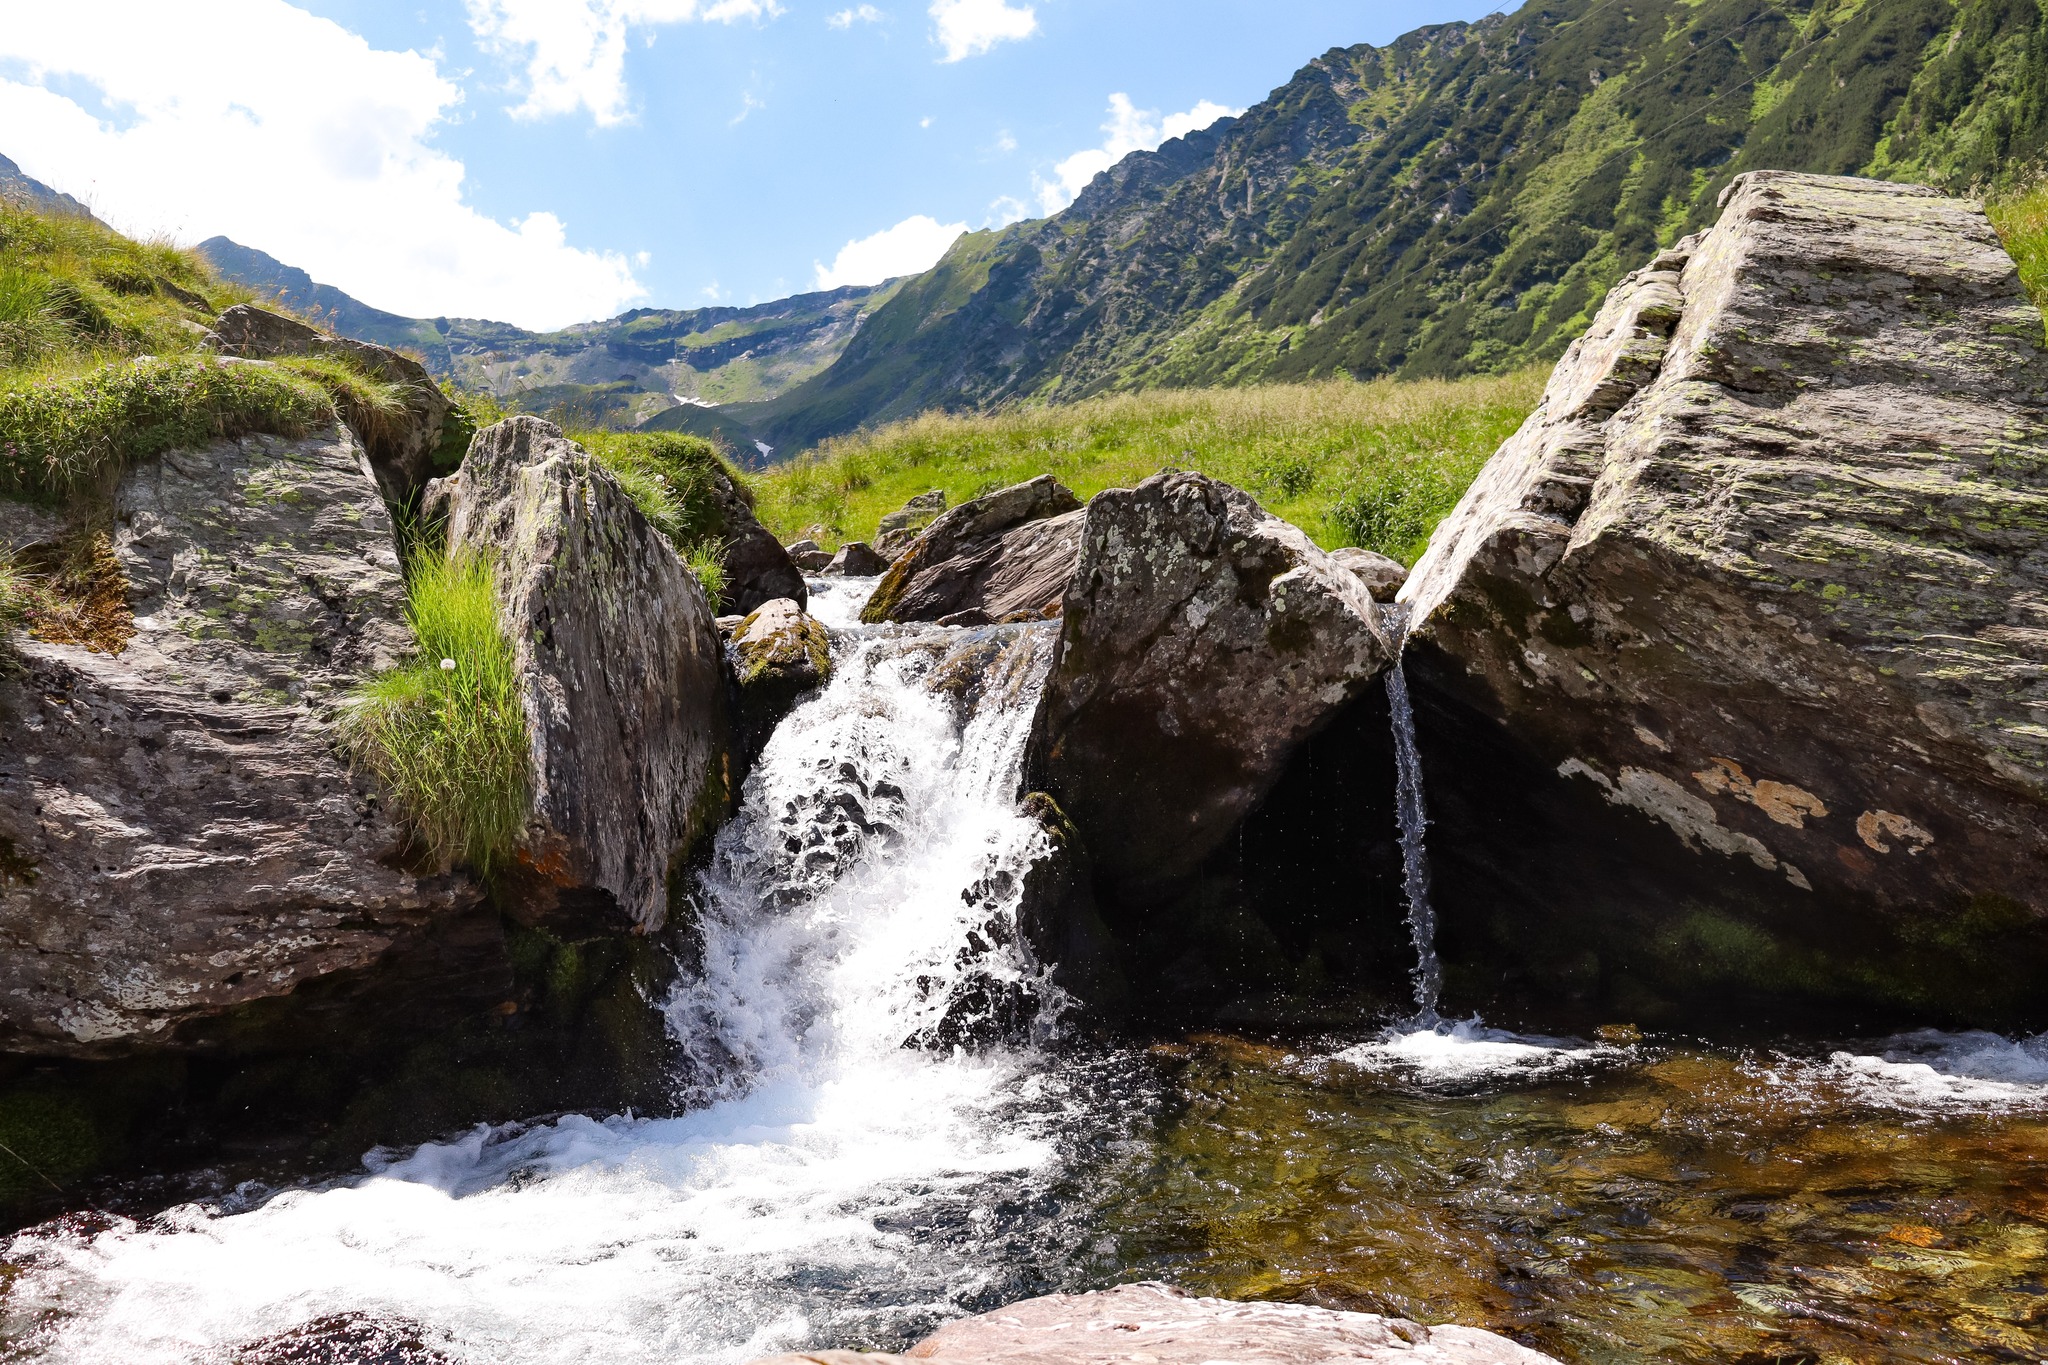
[(852, 1161)]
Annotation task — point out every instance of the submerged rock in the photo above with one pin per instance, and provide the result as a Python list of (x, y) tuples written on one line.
[(1162, 1325), (1011, 551), (1732, 661), (185, 861), (620, 663), (401, 449), (1204, 639), (895, 532), (1382, 576), (778, 654)]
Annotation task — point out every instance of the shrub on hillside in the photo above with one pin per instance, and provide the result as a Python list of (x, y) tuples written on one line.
[(445, 732)]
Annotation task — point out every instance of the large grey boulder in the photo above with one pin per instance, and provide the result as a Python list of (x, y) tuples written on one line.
[(401, 451), (1203, 641), (1732, 661), (1161, 1325), (620, 663), (1007, 553), (180, 844), (1381, 575), (757, 569), (895, 532)]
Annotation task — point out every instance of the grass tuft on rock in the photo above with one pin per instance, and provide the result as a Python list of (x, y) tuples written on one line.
[(445, 732), (673, 478), (2021, 218), (1372, 464)]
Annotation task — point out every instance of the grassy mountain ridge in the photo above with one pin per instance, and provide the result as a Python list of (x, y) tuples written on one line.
[(1455, 202), (619, 372)]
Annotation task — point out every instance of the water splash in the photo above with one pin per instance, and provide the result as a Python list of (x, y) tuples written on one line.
[(850, 1161), (1414, 818)]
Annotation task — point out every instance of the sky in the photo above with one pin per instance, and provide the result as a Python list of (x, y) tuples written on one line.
[(544, 162)]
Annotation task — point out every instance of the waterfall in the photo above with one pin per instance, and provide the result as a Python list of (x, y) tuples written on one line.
[(870, 1128), (1414, 818)]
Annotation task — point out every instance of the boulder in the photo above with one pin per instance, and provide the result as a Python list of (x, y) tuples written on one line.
[(401, 451), (1203, 640), (185, 861), (620, 662), (856, 559), (1732, 664), (757, 569), (895, 532), (1011, 550), (1382, 576), (807, 556), (777, 655), (1162, 1325)]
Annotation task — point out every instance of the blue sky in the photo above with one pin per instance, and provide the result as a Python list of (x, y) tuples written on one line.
[(549, 161)]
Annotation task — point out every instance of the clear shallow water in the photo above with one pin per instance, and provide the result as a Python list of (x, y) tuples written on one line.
[(862, 1162)]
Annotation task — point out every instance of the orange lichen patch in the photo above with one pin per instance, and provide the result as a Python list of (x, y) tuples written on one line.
[(1783, 802), (1873, 827), (1913, 1234), (84, 595)]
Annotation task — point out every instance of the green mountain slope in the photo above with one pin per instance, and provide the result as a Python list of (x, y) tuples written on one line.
[(640, 366), (1456, 202)]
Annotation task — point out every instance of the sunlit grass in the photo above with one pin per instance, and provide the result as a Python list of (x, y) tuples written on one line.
[(445, 732), (1373, 464), (673, 479)]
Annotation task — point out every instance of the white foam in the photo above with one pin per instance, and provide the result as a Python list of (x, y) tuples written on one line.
[(1932, 1069), (837, 601), (1465, 1050), (771, 1219)]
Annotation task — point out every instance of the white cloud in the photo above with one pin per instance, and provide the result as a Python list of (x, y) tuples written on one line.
[(913, 245), (968, 28), (575, 50), (334, 175), (1129, 129), (1007, 209), (861, 14), (1005, 143)]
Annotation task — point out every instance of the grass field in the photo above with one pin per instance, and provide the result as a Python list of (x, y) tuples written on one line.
[(1372, 464)]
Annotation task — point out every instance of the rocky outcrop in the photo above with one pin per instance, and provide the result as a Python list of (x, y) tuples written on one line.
[(757, 569), (1162, 1325), (856, 559), (1009, 553), (1733, 663), (1382, 576), (777, 655), (401, 449), (1203, 640), (619, 657), (808, 556), (185, 862), (895, 532)]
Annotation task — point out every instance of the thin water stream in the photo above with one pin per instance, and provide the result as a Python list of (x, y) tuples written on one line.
[(853, 1158)]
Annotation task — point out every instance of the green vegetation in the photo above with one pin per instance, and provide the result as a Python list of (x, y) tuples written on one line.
[(100, 363), (2021, 217), (1373, 464), (445, 731), (674, 480)]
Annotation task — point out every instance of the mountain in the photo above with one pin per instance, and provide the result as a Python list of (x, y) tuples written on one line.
[(19, 188), (1458, 201), (662, 367)]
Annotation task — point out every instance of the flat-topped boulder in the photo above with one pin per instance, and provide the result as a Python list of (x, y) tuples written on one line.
[(620, 666), (1006, 553), (1733, 662), (1161, 1325)]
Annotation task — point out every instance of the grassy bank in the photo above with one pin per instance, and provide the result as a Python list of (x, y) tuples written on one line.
[(1373, 464)]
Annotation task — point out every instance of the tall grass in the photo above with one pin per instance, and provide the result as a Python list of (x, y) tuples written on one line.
[(445, 732), (2021, 218), (1373, 464), (673, 479), (16, 593)]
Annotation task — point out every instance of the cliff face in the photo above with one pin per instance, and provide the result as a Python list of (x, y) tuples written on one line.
[(1458, 201)]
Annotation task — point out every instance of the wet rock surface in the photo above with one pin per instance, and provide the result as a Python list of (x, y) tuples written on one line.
[(778, 655), (1008, 552), (1203, 641), (856, 559), (1731, 663), (620, 662), (1162, 1325), (401, 451), (1381, 575), (179, 840)]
